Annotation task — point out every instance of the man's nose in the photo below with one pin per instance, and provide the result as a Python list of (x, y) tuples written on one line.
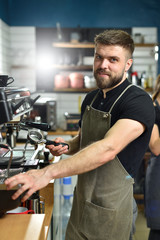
[(104, 63)]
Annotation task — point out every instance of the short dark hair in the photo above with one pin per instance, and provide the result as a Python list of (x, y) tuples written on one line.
[(116, 37)]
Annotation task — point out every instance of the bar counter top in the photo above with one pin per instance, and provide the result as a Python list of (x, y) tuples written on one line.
[(29, 226)]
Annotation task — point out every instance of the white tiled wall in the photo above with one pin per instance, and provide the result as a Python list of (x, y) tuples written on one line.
[(23, 56), (18, 54), (5, 60)]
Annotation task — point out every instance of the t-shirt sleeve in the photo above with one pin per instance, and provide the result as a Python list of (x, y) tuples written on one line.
[(140, 108)]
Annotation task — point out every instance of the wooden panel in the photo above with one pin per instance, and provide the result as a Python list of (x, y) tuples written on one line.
[(48, 194), (22, 226)]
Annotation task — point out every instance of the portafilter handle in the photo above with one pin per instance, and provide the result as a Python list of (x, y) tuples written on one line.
[(49, 142)]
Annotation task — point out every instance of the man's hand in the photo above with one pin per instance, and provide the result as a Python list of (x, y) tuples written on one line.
[(58, 150), (30, 182)]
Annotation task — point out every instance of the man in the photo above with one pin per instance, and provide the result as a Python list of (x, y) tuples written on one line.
[(115, 128)]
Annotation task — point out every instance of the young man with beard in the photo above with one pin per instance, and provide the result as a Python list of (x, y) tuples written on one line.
[(115, 128)]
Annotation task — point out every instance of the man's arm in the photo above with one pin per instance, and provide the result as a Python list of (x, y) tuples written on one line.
[(100, 152), (87, 159), (154, 143)]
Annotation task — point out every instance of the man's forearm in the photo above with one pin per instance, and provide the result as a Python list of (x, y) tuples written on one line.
[(85, 160), (74, 145)]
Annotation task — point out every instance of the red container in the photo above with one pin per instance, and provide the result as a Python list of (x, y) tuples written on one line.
[(21, 210), (61, 81), (76, 80)]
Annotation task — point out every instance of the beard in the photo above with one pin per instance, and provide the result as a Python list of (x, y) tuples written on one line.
[(111, 82)]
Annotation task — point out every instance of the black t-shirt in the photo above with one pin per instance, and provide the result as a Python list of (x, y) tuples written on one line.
[(134, 104)]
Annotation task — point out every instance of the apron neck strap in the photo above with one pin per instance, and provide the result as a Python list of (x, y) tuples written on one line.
[(120, 97), (94, 98)]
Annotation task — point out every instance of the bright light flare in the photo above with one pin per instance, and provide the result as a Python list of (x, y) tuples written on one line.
[(44, 62)]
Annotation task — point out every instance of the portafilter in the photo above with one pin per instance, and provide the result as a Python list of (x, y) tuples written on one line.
[(36, 137)]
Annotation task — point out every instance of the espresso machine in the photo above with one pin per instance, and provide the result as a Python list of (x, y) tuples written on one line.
[(15, 107)]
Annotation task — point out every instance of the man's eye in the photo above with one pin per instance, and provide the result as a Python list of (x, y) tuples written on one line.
[(113, 60), (98, 57)]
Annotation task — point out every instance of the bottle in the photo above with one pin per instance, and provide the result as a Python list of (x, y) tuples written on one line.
[(134, 76), (150, 77), (59, 32), (143, 80), (66, 207)]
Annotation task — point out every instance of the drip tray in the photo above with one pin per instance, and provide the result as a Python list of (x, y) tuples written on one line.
[(18, 153), (20, 159)]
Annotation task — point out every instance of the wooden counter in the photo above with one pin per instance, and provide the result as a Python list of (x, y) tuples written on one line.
[(63, 132), (29, 226)]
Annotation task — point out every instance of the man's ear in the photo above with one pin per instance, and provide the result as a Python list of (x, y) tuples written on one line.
[(128, 64)]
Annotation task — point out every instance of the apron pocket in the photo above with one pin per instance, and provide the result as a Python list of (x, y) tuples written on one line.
[(96, 222)]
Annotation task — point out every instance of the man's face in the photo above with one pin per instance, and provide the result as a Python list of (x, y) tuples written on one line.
[(110, 65)]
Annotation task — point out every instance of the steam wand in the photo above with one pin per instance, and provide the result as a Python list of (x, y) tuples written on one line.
[(10, 160)]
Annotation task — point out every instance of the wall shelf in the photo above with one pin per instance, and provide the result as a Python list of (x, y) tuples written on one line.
[(91, 45), (73, 90), (73, 45), (72, 67)]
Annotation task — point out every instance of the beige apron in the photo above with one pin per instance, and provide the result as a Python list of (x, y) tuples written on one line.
[(103, 198)]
